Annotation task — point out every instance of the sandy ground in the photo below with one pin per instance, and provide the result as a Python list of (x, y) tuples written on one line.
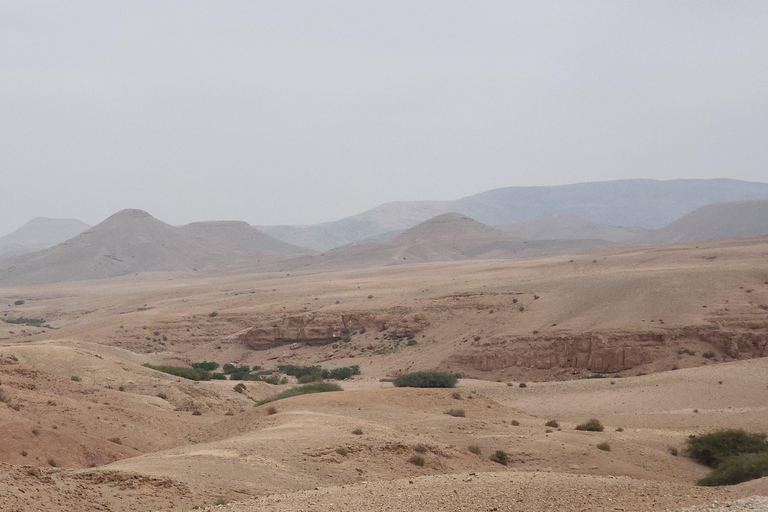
[(168, 458)]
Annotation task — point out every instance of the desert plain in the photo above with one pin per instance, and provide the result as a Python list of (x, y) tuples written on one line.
[(657, 343)]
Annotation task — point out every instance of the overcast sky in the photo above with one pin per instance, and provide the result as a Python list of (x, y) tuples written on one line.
[(290, 112)]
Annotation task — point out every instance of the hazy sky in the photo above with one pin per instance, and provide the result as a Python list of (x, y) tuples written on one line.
[(302, 112)]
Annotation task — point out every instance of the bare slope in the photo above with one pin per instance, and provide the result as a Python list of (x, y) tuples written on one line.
[(714, 221), (568, 227), (127, 242), (240, 235), (38, 234)]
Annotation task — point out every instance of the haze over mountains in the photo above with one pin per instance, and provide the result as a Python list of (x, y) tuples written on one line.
[(133, 241), (644, 204), (40, 233)]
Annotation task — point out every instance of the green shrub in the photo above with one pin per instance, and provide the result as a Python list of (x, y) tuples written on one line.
[(315, 373), (416, 460), (426, 379), (206, 365), (592, 425), (737, 469), (456, 413), (182, 371), (31, 322), (713, 448), (500, 457), (218, 376), (310, 377), (317, 387), (344, 372), (18, 302)]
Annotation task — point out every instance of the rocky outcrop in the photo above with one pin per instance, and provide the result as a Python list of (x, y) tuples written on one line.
[(603, 352), (322, 329)]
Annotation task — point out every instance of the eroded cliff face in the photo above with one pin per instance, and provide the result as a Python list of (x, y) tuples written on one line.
[(601, 351), (322, 329)]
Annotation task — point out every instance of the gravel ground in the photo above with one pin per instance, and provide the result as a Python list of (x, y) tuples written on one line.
[(751, 504), (504, 491)]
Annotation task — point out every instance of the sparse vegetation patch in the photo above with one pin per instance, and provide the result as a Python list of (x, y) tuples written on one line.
[(426, 379)]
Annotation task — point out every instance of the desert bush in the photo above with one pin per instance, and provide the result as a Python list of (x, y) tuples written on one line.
[(619, 429), (737, 469), (18, 302), (218, 376), (456, 395), (272, 410), (344, 372), (240, 388), (592, 425), (310, 377), (426, 379), (75, 378), (500, 457), (182, 371), (523, 385), (595, 376), (456, 413), (673, 451), (162, 395), (514, 423), (603, 446), (416, 460), (708, 355), (197, 413), (213, 314), (552, 423), (420, 448), (714, 448), (52, 462), (342, 450), (35, 432), (316, 387), (206, 365), (475, 448), (115, 440)]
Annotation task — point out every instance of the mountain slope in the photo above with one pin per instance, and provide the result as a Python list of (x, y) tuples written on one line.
[(714, 221), (447, 237), (127, 242), (240, 235), (40, 233), (568, 227), (645, 204)]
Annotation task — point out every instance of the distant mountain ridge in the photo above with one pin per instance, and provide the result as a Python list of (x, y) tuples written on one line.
[(642, 204), (133, 241), (40, 233), (714, 221)]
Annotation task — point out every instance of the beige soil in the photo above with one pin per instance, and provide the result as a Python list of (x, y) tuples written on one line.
[(169, 459)]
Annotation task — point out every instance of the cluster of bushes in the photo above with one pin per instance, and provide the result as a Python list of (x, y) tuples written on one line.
[(426, 379), (205, 370), (30, 322), (734, 455), (182, 371), (307, 374)]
